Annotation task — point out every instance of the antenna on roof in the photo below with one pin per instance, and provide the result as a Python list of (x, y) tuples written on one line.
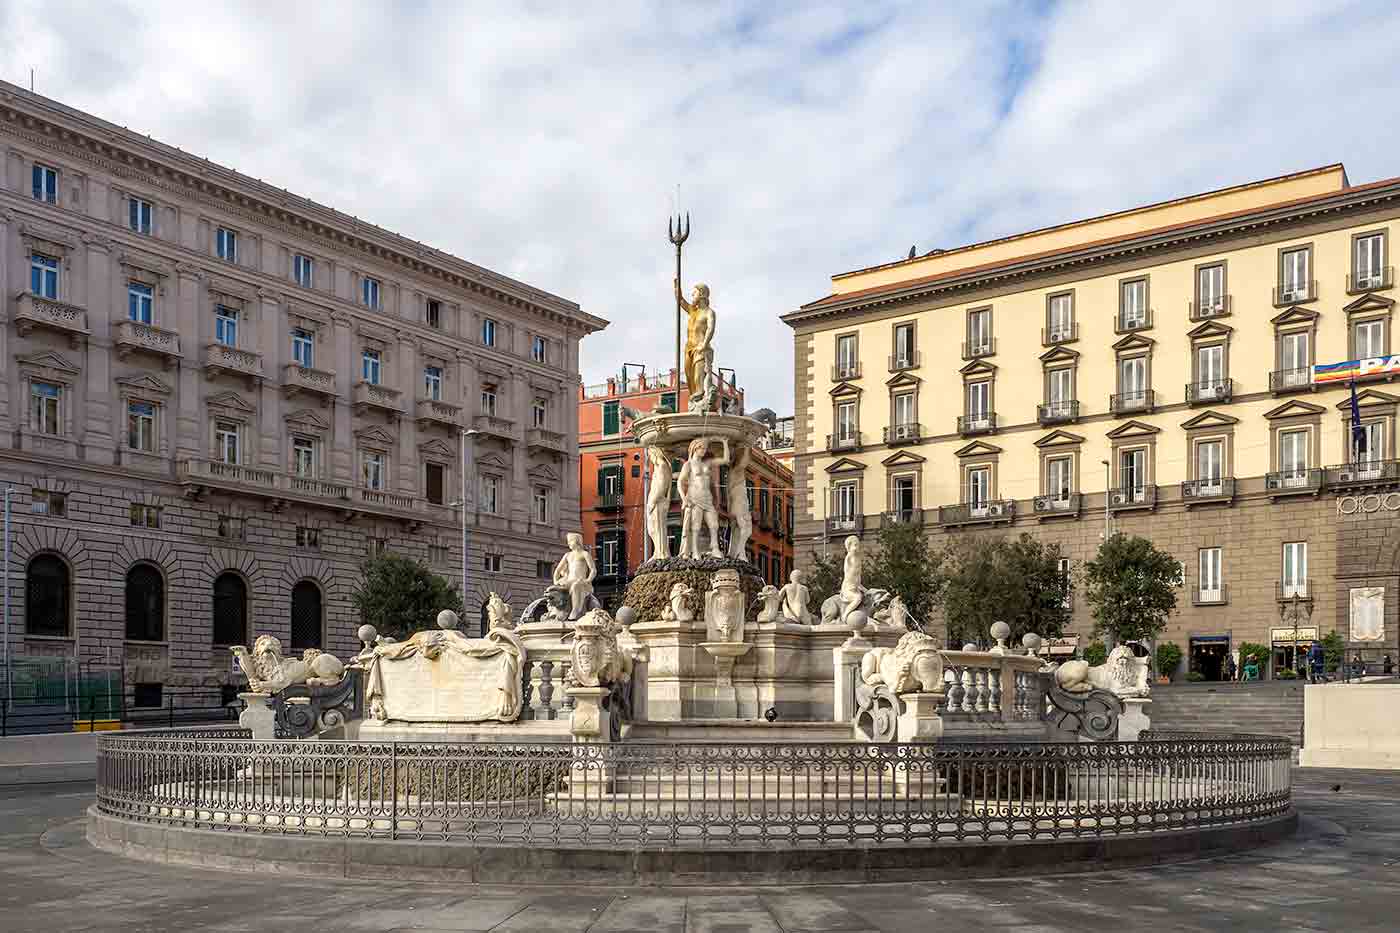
[(31, 80)]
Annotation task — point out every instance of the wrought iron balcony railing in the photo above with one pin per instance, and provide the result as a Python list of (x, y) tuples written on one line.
[(1058, 412), (908, 433), (899, 362), (850, 441), (1219, 596), (1209, 489), (1299, 480), (840, 372), (1359, 283), (1212, 390), (1141, 400), (1057, 504), (1363, 473), (976, 349), (849, 524), (1125, 323), (1132, 497), (968, 513), (1208, 308), (1064, 333), (1292, 293), (978, 423), (1291, 380), (904, 517)]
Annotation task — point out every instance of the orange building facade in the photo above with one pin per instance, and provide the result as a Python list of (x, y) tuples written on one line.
[(613, 481)]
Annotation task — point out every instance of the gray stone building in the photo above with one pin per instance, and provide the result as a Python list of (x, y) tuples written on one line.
[(217, 398)]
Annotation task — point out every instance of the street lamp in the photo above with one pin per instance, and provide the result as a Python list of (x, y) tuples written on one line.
[(462, 504)]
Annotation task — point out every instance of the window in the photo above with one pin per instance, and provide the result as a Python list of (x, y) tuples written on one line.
[(309, 538), (1059, 478), (139, 302), (1293, 457), (1209, 576), (1059, 311), (1368, 339), (303, 348), (488, 400), (1295, 358), (538, 349), (544, 570), (541, 505), (904, 414), (45, 408), (846, 423), (539, 413), (979, 488), (1210, 467), (609, 553), (903, 346), (843, 502), (369, 292), (488, 332), (612, 417), (371, 364), (1210, 290), (1132, 381), (491, 494), (43, 276), (432, 383), (372, 470), (1370, 260), (139, 215), (979, 402), (145, 604), (226, 244), (1295, 274), (1062, 567), (1132, 473), (43, 502), (433, 482), (1369, 449), (377, 547), (491, 563), (230, 527), (47, 597), (1210, 372), (432, 312), (610, 480), (847, 361), (226, 441), (1060, 392), (668, 402), (145, 516), (306, 616), (303, 457), (45, 184), (1132, 304), (226, 325), (304, 270), (147, 695), (230, 610), (141, 426), (1295, 569), (979, 332), (902, 498), (438, 555)]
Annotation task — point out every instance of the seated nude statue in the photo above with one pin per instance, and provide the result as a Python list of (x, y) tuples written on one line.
[(795, 597), (574, 573)]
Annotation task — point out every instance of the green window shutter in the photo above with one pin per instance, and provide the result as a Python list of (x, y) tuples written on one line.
[(612, 418)]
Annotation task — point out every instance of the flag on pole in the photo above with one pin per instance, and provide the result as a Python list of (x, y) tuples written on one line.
[(1358, 433)]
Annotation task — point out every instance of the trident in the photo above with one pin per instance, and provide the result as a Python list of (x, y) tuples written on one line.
[(678, 235)]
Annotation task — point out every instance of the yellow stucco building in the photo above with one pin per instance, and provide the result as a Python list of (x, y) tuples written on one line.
[(1182, 371)]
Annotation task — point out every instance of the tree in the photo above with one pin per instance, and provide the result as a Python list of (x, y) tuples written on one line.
[(1016, 582), (1168, 657), (973, 586), (399, 596), (823, 580), (1044, 592), (1131, 587), (904, 564)]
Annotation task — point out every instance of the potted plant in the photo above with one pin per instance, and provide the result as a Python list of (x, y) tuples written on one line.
[(1168, 657)]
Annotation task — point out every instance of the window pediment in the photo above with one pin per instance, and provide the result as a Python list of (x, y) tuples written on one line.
[(1369, 302), (977, 449), (846, 465), (1060, 354), (436, 450), (492, 461), (844, 389), (1059, 439), (1210, 329), (904, 380), (1133, 429), (1371, 398), (544, 472), (979, 368), (140, 262), (144, 384), (307, 420), (49, 364), (43, 238), (1209, 419), (229, 290), (1133, 342), (1295, 315), (1294, 409), (903, 458), (375, 436)]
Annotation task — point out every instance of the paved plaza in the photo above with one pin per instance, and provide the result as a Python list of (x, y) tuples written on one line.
[(1342, 872)]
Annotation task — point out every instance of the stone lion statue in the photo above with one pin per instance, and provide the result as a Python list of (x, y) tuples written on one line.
[(678, 605), (914, 665), (871, 604), (771, 599), (499, 613), (268, 672), (1123, 674)]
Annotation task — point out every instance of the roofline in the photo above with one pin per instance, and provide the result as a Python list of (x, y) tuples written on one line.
[(1033, 263), (282, 201), (1290, 176)]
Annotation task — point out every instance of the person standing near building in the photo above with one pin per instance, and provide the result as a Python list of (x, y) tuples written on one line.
[(1230, 669)]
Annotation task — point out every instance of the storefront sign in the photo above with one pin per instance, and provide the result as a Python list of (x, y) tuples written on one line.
[(1285, 635), (1368, 613), (1377, 367)]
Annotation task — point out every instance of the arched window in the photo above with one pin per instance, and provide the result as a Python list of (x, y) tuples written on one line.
[(48, 594), (306, 616), (145, 604), (230, 610)]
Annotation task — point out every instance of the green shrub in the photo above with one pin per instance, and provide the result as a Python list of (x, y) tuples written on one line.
[(1285, 674), (1095, 653), (1168, 657), (1260, 653), (1334, 648), (1195, 677)]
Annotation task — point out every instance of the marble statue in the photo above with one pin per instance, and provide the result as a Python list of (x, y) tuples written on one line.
[(440, 675), (1123, 674), (659, 502), (268, 672), (872, 604), (724, 607), (498, 613), (595, 658), (698, 502), (795, 597), (740, 515), (895, 615), (771, 599), (574, 573), (678, 605), (852, 591), (914, 665), (699, 354)]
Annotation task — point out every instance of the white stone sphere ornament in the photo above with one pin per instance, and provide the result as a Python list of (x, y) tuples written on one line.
[(447, 619), (1001, 632), (367, 634), (626, 616), (1031, 642), (856, 621)]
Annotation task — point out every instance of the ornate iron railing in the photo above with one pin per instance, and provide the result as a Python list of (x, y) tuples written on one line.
[(692, 795)]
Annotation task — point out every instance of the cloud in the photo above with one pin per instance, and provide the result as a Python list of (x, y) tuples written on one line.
[(545, 141)]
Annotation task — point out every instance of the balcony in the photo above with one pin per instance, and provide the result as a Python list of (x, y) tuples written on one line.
[(372, 395), (1364, 473), (1210, 309), (1220, 596), (1291, 380), (899, 363), (429, 411), (1057, 412), (1215, 390), (760, 519), (983, 513), (134, 337), (903, 517), (979, 349), (1294, 293), (980, 423), (1300, 481), (897, 434), (1370, 282), (1284, 592), (1054, 336), (494, 426), (1124, 403), (1055, 506), (835, 442), (1131, 324), (200, 475), (841, 372), (297, 379), (845, 524), (45, 313), (1128, 498), (223, 360), (609, 502), (1210, 489), (543, 440)]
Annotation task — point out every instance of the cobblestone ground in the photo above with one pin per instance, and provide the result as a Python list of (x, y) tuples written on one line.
[(1341, 872)]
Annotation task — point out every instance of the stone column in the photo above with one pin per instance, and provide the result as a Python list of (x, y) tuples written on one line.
[(410, 376), (271, 341), (97, 367), (339, 455), (845, 660), (1134, 720), (8, 287), (189, 436)]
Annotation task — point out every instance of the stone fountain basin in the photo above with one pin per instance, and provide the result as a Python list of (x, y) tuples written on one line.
[(679, 429)]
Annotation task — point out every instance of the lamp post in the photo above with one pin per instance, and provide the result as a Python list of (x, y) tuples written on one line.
[(462, 504), (9, 681)]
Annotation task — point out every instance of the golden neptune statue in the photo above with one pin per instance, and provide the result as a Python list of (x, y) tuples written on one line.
[(699, 354)]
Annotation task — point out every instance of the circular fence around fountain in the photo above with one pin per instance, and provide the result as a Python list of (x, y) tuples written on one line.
[(665, 813)]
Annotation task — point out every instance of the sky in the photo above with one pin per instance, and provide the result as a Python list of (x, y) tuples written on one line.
[(547, 141)]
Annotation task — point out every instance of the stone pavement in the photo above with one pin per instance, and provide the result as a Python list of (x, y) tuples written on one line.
[(1342, 872)]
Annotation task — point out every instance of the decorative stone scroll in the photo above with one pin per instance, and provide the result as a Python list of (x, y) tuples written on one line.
[(302, 711), (1090, 714), (443, 676)]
